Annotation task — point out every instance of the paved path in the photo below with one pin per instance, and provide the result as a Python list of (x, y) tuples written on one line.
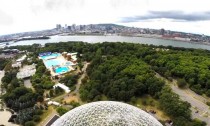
[(197, 102), (79, 82)]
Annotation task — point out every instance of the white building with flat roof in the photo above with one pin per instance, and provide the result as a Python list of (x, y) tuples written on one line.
[(53, 103), (21, 59), (17, 64), (26, 71), (64, 87)]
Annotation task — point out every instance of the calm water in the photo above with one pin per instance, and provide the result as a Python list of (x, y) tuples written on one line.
[(95, 39)]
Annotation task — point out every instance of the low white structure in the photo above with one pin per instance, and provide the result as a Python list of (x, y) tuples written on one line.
[(73, 56), (64, 87), (26, 71), (53, 103), (46, 99), (21, 59), (17, 64)]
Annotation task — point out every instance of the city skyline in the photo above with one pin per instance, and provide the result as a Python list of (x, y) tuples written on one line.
[(33, 15)]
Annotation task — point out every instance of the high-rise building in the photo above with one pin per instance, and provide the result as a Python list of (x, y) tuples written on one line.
[(73, 27), (69, 28), (66, 26), (77, 28), (58, 26), (162, 31)]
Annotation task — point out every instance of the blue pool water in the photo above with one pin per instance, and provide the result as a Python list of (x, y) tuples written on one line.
[(52, 62), (53, 55), (61, 70)]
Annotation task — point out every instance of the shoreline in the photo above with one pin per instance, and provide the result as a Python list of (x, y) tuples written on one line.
[(141, 39), (162, 38), (141, 36)]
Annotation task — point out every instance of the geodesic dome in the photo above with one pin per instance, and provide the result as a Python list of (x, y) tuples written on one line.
[(106, 113)]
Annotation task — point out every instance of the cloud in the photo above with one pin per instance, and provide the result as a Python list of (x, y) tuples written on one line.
[(57, 4), (40, 6), (173, 15), (5, 19)]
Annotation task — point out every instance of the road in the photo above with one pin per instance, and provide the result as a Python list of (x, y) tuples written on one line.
[(197, 102), (48, 118)]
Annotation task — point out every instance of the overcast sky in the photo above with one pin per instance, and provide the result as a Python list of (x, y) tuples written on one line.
[(180, 15)]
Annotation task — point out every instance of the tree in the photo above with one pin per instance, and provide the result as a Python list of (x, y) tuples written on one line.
[(181, 83), (133, 100), (41, 69), (208, 92), (40, 98), (36, 118), (180, 121), (30, 123), (173, 106), (51, 93), (61, 110), (8, 67), (3, 63)]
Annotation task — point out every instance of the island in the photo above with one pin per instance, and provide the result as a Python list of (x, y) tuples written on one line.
[(69, 74)]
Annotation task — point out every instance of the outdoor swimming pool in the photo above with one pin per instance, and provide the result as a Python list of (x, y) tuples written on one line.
[(52, 62), (61, 70), (53, 55)]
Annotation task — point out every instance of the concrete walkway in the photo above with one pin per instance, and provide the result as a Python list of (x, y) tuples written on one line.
[(5, 115)]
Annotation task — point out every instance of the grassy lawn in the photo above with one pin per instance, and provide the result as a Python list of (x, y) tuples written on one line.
[(148, 103), (45, 114), (104, 98), (71, 99), (58, 98)]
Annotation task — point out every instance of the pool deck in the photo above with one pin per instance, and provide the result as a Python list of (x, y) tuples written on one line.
[(62, 63)]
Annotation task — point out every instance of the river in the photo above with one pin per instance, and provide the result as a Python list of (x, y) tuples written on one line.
[(95, 39)]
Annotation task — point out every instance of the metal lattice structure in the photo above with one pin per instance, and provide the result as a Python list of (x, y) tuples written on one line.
[(106, 113)]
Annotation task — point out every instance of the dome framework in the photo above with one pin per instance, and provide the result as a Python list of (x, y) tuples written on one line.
[(106, 113)]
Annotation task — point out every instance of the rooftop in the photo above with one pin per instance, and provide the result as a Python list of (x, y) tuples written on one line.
[(64, 87)]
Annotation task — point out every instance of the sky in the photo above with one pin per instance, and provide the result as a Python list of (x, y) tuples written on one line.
[(179, 15)]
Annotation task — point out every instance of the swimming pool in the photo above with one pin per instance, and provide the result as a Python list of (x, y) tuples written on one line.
[(52, 62), (53, 55), (61, 70)]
